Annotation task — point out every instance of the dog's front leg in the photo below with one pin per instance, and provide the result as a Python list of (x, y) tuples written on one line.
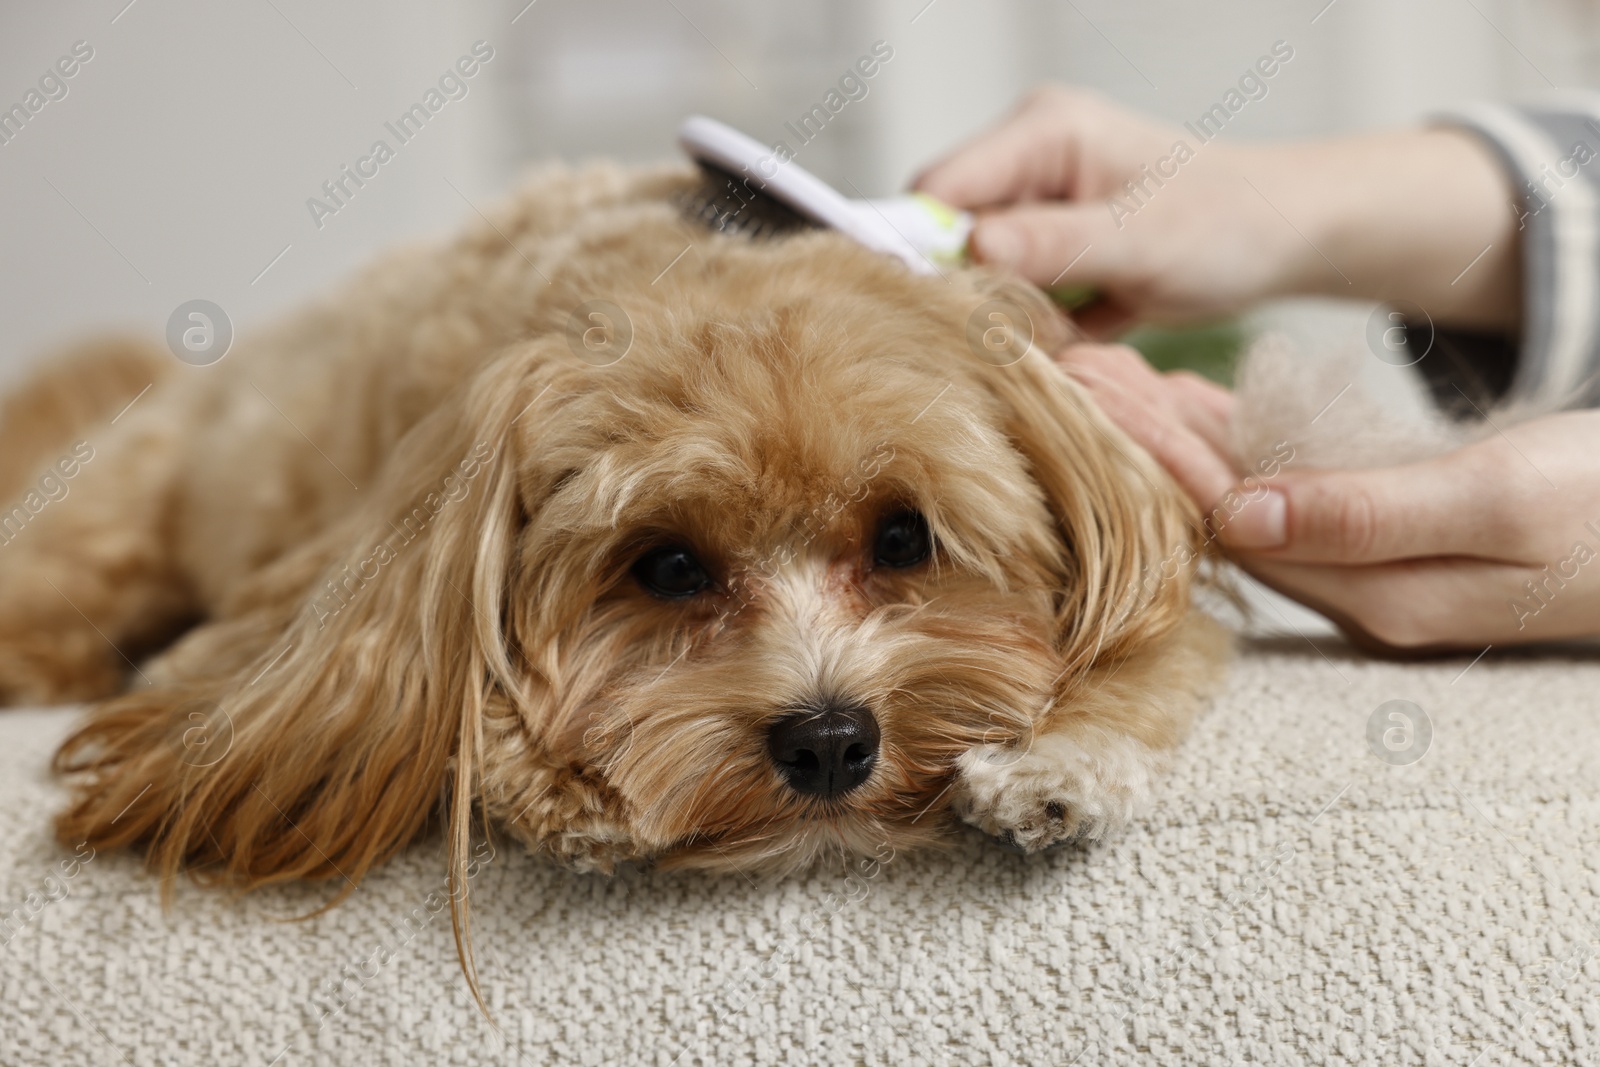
[(1077, 780), (1093, 760)]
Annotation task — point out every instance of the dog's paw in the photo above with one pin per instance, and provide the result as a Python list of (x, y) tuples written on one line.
[(563, 812), (598, 850), (1062, 786)]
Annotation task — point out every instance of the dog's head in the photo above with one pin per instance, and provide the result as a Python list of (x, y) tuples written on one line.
[(734, 579), (822, 528)]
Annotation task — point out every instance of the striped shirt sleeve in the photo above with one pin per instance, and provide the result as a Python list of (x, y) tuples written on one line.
[(1551, 149)]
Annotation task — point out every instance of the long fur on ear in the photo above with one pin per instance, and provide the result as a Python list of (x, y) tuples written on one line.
[(314, 731), (1132, 540)]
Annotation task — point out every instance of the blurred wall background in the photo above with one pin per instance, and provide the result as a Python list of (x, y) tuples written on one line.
[(179, 160)]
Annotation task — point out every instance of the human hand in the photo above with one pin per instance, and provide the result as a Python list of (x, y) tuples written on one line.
[(1223, 224), (1496, 543)]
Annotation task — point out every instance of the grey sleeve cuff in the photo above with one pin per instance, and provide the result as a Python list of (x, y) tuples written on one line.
[(1552, 152)]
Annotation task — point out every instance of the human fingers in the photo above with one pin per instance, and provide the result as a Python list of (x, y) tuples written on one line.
[(1044, 242), (1203, 472), (1435, 604), (1448, 505), (1203, 393), (1203, 407)]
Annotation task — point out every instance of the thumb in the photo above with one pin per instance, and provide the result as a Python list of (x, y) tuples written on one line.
[(1432, 508), (1041, 241)]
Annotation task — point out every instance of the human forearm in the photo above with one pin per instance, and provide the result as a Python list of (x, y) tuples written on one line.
[(1423, 215)]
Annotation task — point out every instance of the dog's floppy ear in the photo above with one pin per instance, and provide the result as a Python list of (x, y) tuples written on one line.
[(1130, 539), (312, 736)]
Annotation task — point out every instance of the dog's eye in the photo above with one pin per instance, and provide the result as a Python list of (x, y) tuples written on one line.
[(903, 540), (671, 571)]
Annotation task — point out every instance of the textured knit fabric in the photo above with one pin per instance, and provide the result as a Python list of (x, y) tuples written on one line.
[(1291, 899), (1552, 152)]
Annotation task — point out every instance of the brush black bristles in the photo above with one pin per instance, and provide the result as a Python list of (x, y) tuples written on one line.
[(731, 203)]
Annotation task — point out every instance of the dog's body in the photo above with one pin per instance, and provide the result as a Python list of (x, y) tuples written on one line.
[(664, 606)]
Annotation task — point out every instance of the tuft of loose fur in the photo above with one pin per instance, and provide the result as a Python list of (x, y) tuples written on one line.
[(1320, 404)]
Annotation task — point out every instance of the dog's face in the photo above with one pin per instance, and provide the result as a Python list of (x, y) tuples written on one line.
[(796, 552)]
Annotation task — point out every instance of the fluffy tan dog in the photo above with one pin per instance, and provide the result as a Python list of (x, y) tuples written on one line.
[(764, 559)]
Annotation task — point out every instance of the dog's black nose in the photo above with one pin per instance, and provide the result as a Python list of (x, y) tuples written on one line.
[(825, 751)]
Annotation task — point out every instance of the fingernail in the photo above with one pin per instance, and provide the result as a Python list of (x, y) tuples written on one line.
[(998, 243), (1259, 522)]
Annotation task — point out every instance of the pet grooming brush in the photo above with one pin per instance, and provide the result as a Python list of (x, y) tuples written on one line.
[(753, 190)]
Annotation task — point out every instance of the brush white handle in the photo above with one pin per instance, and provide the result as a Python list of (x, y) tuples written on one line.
[(936, 230)]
